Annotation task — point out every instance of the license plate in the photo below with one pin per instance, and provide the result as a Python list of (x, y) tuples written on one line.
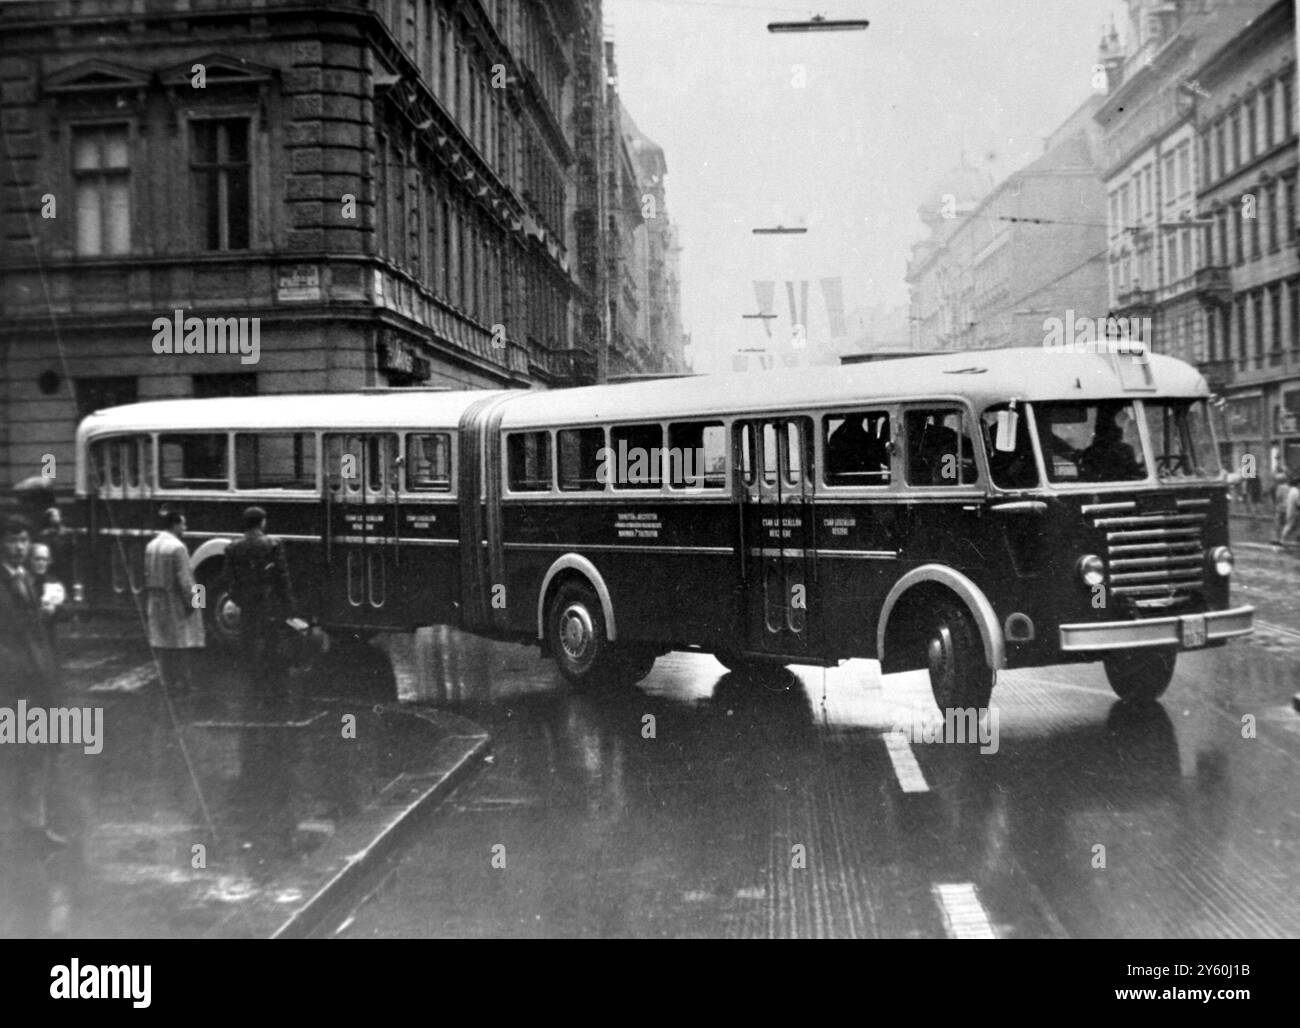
[(1193, 631)]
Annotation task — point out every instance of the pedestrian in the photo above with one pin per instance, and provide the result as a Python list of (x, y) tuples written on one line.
[(29, 673), (1281, 490), (257, 575), (175, 620), (1254, 493), (47, 587), (1290, 532), (58, 539)]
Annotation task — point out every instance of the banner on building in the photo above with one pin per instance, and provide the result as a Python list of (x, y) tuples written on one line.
[(765, 293), (833, 294), (798, 315)]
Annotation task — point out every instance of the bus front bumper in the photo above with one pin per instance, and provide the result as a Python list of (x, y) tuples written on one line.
[(1187, 631)]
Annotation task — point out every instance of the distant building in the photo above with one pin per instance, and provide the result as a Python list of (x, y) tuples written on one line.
[(1249, 278), (1155, 242), (1003, 260), (661, 290)]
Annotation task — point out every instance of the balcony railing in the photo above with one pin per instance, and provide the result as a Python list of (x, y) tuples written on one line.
[(1136, 299), (1218, 373), (1214, 284)]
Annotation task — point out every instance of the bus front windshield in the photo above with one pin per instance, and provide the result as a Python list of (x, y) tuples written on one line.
[(1090, 441), (1180, 435)]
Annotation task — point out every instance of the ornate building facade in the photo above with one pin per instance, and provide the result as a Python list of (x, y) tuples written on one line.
[(394, 192)]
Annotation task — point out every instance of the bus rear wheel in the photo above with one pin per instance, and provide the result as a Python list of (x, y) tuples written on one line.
[(1140, 676), (576, 633), (220, 614), (960, 676)]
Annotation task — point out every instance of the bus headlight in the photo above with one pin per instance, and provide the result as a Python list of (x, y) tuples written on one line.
[(1092, 570), (1222, 561)]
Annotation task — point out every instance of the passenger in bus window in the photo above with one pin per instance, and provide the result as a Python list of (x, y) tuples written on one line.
[(1108, 458), (858, 453), (1014, 469)]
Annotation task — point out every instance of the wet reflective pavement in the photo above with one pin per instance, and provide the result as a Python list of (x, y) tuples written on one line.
[(699, 803), (792, 809), (221, 813)]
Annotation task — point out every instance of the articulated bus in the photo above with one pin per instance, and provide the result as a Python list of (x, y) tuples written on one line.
[(959, 513)]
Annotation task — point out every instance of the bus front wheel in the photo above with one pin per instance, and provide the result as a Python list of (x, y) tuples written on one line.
[(960, 676), (1140, 676), (576, 630)]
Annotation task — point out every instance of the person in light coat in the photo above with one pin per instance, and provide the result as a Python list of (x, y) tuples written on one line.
[(175, 620)]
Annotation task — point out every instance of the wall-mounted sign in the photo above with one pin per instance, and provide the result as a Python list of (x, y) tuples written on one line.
[(298, 283), (400, 358)]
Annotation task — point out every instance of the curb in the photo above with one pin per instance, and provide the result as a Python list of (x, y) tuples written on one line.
[(311, 915)]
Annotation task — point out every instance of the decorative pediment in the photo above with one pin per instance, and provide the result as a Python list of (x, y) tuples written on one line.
[(96, 76), (218, 70)]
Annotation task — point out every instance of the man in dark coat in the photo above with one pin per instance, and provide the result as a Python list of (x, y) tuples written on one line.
[(258, 577), (29, 672)]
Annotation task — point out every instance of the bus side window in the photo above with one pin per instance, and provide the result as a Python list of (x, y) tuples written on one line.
[(697, 455), (115, 478), (745, 455), (380, 452), (638, 451), (195, 460), (939, 448), (1013, 469), (856, 448), (791, 443), (130, 462), (146, 463), (584, 462), (528, 462), (275, 460), (100, 458), (334, 463), (428, 462), (769, 453)]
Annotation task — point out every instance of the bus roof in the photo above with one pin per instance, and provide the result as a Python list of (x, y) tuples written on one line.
[(984, 376)]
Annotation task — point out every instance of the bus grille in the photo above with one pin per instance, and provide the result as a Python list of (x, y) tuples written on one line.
[(1157, 560)]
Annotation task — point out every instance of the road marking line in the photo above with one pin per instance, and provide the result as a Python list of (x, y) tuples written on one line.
[(964, 915), (906, 769), (1270, 627), (128, 681)]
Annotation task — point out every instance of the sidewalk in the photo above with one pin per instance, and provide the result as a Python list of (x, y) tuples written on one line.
[(226, 814), (1257, 529)]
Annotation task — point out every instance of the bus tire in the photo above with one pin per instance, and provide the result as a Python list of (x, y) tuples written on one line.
[(960, 676), (220, 614), (575, 630), (1140, 676)]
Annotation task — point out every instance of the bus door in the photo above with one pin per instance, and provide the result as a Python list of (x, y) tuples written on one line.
[(778, 555), (363, 563), (119, 523)]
